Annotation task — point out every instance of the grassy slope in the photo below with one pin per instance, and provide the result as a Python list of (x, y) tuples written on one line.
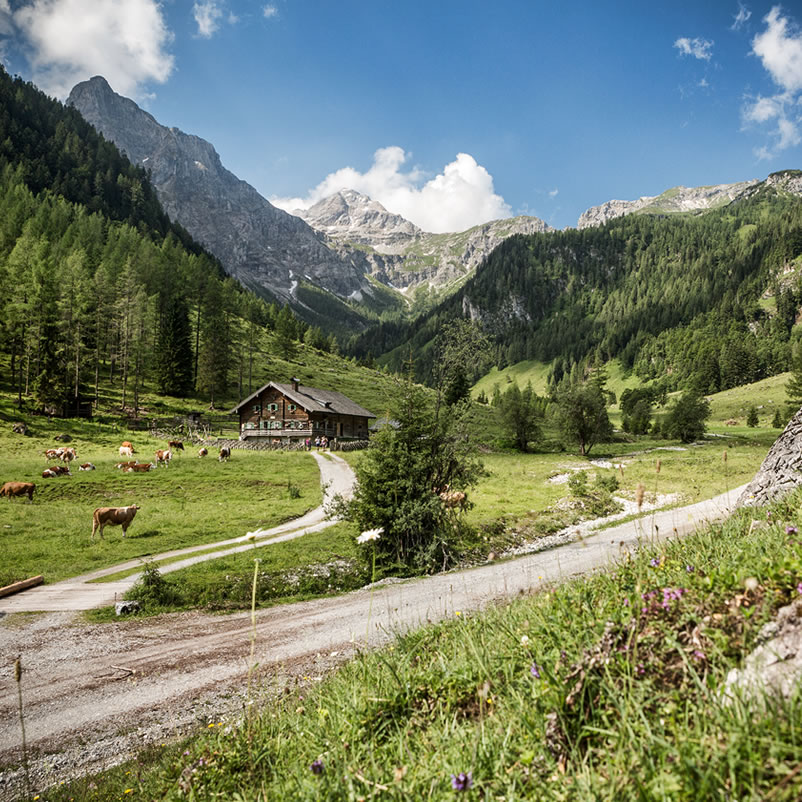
[(604, 688)]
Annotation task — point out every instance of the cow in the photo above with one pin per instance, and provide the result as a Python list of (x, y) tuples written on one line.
[(55, 470), (139, 467), (202, 452), (175, 445), (453, 498), (113, 516), (123, 465), (225, 453), (87, 466), (127, 451), (67, 455), (163, 457), (48, 473), (52, 453), (10, 489), (127, 444)]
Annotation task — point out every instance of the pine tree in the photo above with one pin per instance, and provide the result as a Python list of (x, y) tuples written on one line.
[(752, 419), (173, 357)]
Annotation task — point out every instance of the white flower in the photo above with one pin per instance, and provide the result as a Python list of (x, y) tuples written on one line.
[(371, 534), (251, 536), (524, 640)]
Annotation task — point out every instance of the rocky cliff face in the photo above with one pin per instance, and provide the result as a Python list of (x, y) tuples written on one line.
[(678, 199), (262, 246), (400, 254)]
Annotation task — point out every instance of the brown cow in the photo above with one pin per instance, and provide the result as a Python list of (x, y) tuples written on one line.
[(123, 465), (163, 457), (114, 516), (139, 467), (68, 455), (87, 466), (225, 453), (10, 489), (175, 445), (52, 453), (202, 452), (127, 444), (56, 470), (453, 499)]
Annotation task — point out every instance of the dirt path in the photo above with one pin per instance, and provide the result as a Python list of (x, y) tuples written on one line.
[(95, 694), (80, 593)]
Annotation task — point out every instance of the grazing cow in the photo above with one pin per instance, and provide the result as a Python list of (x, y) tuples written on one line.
[(202, 452), (163, 457), (52, 453), (114, 516), (127, 444), (453, 499), (123, 465), (87, 466), (139, 467), (126, 451), (10, 489), (225, 453), (67, 455), (175, 445)]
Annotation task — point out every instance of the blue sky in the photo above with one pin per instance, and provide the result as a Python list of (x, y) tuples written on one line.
[(450, 112)]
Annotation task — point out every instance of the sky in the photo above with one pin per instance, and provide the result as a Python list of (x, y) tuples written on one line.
[(448, 112)]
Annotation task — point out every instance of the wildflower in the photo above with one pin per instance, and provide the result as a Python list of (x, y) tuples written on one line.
[(626, 602), (535, 670), (317, 767), (751, 584), (654, 562), (689, 569), (640, 670), (370, 534), (698, 655), (799, 587), (524, 640), (462, 781), (791, 530)]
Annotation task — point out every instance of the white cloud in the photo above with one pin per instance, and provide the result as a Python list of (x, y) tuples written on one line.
[(270, 11), (698, 48), (779, 49), (207, 14), (6, 22), (459, 197), (554, 192), (741, 18), (71, 40)]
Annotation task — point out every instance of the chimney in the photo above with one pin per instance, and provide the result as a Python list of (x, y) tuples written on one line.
[(294, 384)]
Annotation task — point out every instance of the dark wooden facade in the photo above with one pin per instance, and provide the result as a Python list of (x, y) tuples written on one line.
[(286, 412)]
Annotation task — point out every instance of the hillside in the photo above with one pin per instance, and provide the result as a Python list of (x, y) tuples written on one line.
[(676, 296)]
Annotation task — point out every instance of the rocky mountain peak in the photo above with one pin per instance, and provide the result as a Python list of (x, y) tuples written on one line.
[(349, 215), (262, 246)]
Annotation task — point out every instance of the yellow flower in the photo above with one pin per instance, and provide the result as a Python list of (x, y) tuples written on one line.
[(128, 791), (457, 612)]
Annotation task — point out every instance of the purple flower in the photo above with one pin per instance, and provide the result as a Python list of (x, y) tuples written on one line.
[(689, 569), (791, 530), (654, 562), (462, 781), (799, 587), (698, 655), (640, 670), (626, 602), (535, 670), (316, 767)]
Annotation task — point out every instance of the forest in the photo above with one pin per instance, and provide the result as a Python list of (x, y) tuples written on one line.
[(709, 299)]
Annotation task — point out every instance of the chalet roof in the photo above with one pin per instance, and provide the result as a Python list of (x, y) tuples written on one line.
[(312, 400)]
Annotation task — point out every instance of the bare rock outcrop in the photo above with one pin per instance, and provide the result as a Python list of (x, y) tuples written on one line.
[(781, 471)]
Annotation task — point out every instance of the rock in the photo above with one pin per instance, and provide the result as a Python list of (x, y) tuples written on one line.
[(781, 471), (775, 666), (127, 607)]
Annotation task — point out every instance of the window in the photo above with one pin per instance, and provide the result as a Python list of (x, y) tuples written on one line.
[(292, 407), (257, 408), (272, 407)]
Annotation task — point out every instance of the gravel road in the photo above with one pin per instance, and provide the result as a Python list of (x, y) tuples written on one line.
[(93, 695)]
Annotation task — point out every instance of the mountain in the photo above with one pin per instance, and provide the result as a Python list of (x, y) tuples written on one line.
[(710, 298), (672, 201), (400, 254), (262, 246)]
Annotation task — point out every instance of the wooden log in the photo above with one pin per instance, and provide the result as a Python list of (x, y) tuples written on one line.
[(23, 584)]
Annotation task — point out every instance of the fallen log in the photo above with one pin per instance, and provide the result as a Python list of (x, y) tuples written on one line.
[(23, 584)]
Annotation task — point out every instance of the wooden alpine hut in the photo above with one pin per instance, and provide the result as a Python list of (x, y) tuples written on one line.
[(289, 412)]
